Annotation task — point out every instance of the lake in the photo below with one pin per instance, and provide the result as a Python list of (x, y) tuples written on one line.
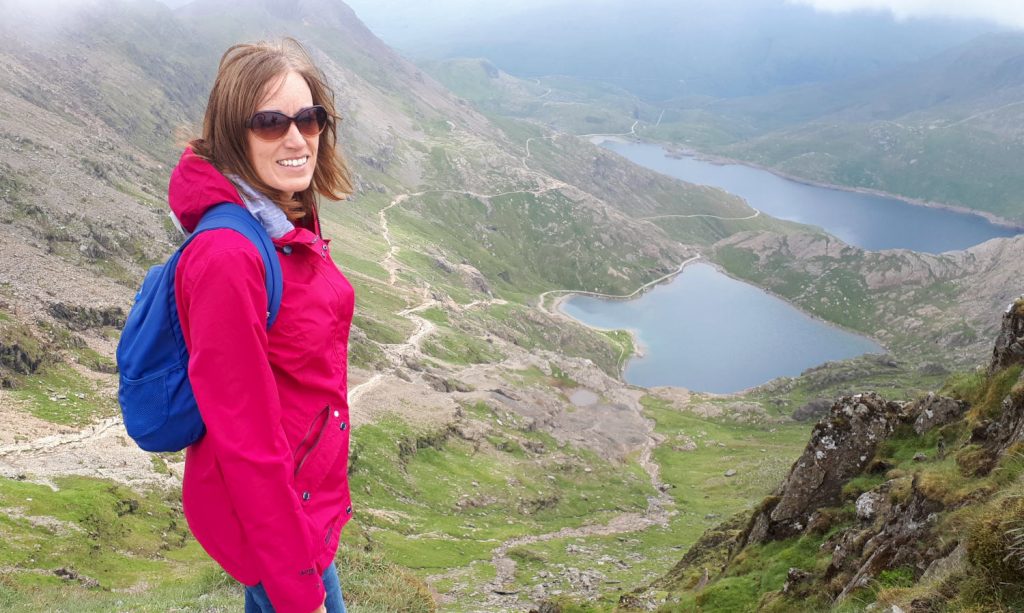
[(708, 332), (868, 221)]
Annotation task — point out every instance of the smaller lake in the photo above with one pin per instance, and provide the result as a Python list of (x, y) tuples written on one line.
[(708, 332), (864, 220)]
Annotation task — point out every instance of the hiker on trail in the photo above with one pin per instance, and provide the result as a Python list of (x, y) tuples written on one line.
[(265, 489)]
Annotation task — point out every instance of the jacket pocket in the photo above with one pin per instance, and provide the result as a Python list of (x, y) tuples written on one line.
[(315, 464), (311, 440)]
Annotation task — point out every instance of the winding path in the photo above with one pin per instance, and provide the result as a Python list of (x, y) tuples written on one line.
[(657, 514), (756, 213)]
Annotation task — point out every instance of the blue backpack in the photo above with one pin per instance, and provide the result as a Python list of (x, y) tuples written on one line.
[(157, 403)]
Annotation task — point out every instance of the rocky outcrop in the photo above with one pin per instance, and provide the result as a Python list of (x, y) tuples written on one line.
[(888, 536), (83, 318), (992, 434), (20, 352), (933, 411), (841, 446), (1009, 347)]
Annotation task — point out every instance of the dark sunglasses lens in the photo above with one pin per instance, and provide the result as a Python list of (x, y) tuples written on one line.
[(311, 121), (270, 125)]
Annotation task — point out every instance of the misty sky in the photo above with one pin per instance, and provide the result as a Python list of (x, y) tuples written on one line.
[(1004, 12)]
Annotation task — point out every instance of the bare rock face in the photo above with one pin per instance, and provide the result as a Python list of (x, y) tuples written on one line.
[(933, 411), (1009, 347), (898, 537), (840, 448), (83, 317)]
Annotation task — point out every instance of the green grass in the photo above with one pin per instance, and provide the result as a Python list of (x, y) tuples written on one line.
[(53, 395), (442, 504), (456, 347)]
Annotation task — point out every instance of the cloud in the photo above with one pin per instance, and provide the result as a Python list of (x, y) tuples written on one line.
[(1004, 12)]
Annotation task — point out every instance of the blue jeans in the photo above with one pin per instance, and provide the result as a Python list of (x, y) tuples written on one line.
[(256, 600)]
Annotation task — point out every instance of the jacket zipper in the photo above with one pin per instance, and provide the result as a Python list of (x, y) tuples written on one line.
[(316, 441)]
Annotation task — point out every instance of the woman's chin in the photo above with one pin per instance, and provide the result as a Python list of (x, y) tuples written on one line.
[(292, 185)]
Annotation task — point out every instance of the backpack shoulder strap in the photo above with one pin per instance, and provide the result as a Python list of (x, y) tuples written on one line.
[(231, 216)]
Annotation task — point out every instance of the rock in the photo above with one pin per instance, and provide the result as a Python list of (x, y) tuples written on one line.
[(730, 473), (842, 445), (920, 457), (993, 435), (444, 265), (83, 318), (1009, 347), (933, 411), (858, 556), (933, 369), (70, 575), (20, 351), (868, 505), (812, 410), (794, 577)]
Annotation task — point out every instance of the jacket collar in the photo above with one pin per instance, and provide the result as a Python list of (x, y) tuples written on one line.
[(196, 186)]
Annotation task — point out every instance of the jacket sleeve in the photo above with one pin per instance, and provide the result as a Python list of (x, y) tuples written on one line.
[(225, 299)]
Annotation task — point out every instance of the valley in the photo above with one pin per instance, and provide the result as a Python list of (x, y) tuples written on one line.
[(499, 460)]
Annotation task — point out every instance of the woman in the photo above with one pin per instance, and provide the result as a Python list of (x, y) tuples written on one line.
[(265, 490)]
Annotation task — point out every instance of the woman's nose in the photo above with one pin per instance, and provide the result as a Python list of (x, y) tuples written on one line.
[(294, 138)]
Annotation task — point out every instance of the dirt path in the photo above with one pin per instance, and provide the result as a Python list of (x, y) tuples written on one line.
[(101, 450), (756, 213), (501, 590)]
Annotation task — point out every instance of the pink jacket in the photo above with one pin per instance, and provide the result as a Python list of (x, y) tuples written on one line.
[(266, 489)]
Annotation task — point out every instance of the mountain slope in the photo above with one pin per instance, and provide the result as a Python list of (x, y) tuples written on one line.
[(452, 235), (944, 129), (910, 506)]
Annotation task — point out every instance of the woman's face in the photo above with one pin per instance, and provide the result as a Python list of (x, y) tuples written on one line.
[(287, 163)]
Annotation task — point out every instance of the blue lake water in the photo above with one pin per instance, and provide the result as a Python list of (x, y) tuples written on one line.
[(708, 332), (868, 221)]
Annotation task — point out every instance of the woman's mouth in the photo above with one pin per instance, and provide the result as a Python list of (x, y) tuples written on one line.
[(294, 162)]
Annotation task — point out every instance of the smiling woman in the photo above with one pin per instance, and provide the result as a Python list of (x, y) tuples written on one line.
[(284, 135), (265, 490)]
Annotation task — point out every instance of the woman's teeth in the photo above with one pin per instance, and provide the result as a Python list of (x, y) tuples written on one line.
[(294, 162)]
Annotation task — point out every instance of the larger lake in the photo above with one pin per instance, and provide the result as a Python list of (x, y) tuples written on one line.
[(868, 221), (708, 332)]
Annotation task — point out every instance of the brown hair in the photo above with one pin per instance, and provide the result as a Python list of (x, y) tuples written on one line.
[(243, 76)]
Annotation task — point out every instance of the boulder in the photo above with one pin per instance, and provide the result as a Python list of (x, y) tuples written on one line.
[(933, 411), (841, 447), (1009, 347)]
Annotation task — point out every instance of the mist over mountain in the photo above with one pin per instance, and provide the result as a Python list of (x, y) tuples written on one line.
[(660, 49)]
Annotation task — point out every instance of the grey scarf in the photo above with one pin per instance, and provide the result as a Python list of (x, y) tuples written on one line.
[(270, 216)]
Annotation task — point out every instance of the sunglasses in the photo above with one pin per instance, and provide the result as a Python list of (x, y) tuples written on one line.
[(272, 125)]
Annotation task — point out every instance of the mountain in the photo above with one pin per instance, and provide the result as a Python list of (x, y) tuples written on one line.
[(659, 49), (467, 439), (944, 129), (498, 457)]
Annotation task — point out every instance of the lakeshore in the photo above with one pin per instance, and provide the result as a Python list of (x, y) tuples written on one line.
[(674, 151)]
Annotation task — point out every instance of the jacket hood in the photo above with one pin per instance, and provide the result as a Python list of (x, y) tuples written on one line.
[(195, 187)]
